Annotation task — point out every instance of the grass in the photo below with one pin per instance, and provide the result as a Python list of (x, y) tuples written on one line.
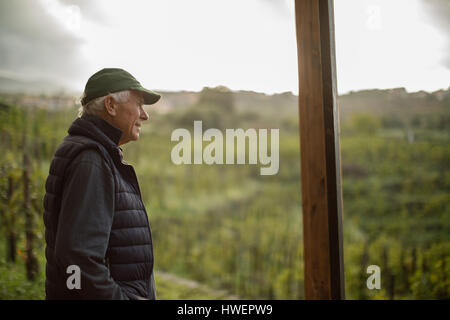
[(14, 284)]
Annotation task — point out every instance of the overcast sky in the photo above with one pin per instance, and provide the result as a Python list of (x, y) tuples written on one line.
[(244, 45)]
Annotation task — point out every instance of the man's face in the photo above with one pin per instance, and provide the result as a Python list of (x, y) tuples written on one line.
[(129, 117)]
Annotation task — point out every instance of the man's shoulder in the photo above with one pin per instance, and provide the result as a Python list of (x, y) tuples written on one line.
[(71, 146), (89, 155), (78, 152), (88, 160), (80, 149), (76, 146)]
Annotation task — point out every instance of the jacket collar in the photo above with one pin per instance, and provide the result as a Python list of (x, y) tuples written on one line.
[(97, 129), (113, 133)]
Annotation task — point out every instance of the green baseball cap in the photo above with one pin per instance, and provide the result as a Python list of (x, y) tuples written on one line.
[(110, 80)]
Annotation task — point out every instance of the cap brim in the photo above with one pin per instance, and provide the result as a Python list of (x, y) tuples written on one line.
[(150, 97)]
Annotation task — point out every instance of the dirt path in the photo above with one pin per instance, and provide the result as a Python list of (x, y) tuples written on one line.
[(191, 284)]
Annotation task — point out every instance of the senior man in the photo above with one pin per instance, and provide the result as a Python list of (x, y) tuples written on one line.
[(99, 243)]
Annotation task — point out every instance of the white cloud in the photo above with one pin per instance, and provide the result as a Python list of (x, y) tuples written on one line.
[(191, 44), (248, 45), (403, 52)]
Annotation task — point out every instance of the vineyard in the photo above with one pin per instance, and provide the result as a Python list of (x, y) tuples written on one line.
[(236, 232)]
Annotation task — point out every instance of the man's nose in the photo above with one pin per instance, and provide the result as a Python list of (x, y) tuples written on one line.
[(144, 115)]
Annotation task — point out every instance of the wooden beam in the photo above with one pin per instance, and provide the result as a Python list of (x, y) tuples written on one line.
[(320, 151)]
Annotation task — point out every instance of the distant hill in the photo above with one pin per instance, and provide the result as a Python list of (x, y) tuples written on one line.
[(276, 106), (12, 85), (282, 105), (394, 101)]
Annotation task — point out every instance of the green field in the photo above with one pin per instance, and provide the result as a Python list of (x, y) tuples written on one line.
[(225, 231)]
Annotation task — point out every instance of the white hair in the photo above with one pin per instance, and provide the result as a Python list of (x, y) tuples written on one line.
[(96, 105)]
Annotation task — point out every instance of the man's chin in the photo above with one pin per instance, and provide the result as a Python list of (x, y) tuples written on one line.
[(132, 138)]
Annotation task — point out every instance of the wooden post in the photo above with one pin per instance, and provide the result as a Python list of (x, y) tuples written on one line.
[(320, 152)]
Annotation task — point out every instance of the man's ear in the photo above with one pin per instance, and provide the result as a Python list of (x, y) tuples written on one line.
[(110, 106)]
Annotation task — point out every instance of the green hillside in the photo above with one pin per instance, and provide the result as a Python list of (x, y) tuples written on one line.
[(236, 233)]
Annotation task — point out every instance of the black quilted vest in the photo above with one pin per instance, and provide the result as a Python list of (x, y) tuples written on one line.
[(130, 253)]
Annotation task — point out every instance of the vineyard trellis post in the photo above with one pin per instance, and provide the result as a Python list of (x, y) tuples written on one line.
[(31, 263), (320, 150)]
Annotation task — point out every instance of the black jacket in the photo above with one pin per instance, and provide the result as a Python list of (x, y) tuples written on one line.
[(95, 218)]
